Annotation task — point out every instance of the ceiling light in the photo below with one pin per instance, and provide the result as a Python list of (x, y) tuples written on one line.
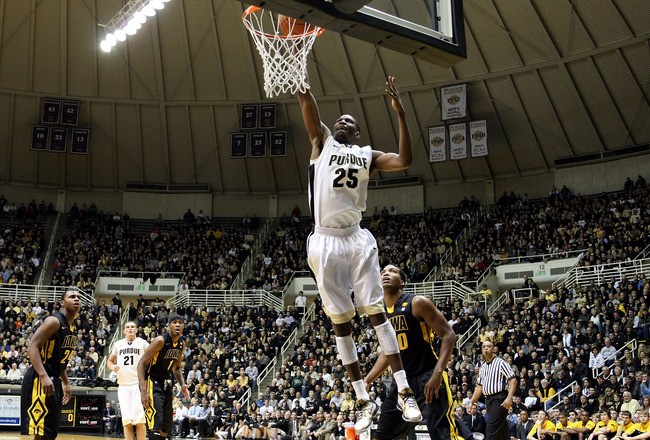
[(120, 35), (110, 38), (128, 20), (140, 16), (149, 11)]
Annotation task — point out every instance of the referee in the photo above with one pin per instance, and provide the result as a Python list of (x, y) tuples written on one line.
[(497, 380)]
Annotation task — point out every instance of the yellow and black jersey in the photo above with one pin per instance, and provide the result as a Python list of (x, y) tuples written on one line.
[(579, 424), (415, 338), (57, 350), (640, 428), (161, 365)]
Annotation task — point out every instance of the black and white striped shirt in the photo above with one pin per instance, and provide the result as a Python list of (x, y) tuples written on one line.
[(494, 376)]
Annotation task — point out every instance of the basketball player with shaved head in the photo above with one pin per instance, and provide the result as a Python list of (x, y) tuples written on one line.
[(341, 253)]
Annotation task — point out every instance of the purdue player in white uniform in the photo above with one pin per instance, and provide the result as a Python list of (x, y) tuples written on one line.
[(341, 254), (124, 360)]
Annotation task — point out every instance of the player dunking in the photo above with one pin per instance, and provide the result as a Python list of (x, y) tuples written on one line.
[(163, 356), (45, 385), (341, 254), (417, 322), (124, 360)]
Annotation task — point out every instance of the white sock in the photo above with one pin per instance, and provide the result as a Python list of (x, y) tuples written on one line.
[(400, 380), (360, 389)]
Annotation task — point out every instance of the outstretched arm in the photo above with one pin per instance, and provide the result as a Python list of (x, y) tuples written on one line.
[(317, 131), (391, 161)]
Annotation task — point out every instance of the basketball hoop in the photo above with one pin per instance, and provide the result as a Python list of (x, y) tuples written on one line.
[(284, 57)]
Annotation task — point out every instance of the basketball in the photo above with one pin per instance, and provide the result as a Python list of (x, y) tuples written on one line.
[(292, 26)]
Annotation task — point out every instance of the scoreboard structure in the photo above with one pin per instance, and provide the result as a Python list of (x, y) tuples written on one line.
[(83, 413)]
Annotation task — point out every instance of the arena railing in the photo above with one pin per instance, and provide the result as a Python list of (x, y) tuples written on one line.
[(559, 394), (440, 290), (629, 345), (246, 265), (643, 254), (32, 292), (584, 276), (138, 274), (244, 400), (540, 257), (468, 335), (219, 298), (497, 303), (524, 292)]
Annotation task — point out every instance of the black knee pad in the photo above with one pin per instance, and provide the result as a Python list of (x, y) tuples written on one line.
[(154, 435)]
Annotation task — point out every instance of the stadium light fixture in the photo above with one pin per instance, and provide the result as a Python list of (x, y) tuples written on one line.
[(129, 20)]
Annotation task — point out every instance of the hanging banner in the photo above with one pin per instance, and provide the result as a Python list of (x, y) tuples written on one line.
[(478, 136), (437, 144), (454, 101), (458, 138)]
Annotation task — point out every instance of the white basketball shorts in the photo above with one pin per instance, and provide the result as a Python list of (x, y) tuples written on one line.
[(342, 259), (131, 404)]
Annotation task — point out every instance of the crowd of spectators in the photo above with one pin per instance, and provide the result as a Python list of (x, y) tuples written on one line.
[(552, 338), (20, 318), (415, 242), (22, 241), (208, 255), (608, 227)]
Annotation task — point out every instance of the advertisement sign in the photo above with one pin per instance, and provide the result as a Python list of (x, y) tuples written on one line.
[(10, 410)]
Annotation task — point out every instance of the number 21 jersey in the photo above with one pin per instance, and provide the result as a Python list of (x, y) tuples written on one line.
[(128, 355), (338, 184)]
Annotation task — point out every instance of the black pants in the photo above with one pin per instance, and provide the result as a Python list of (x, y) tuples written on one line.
[(497, 425)]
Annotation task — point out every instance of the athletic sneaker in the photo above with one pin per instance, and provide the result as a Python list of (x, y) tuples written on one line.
[(409, 406), (367, 410)]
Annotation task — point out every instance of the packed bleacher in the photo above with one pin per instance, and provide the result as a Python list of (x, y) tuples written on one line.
[(608, 227), (570, 346), (210, 256)]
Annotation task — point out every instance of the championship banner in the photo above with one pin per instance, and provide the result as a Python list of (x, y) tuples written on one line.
[(478, 136), (454, 101), (458, 138), (437, 144)]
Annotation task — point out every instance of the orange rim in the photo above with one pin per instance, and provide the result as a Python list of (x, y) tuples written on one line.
[(317, 30)]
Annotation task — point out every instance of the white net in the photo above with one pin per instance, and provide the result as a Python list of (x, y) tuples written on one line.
[(284, 57)]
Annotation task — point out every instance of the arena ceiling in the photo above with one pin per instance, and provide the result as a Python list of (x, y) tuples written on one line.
[(553, 78)]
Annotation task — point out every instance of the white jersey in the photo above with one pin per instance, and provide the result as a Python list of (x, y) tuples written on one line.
[(338, 184), (128, 355)]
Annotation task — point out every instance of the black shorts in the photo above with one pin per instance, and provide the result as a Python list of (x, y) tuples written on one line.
[(40, 414), (160, 414), (438, 415)]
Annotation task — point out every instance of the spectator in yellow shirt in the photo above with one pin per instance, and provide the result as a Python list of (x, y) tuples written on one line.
[(627, 427), (641, 429), (542, 427), (581, 427), (605, 429), (348, 403), (563, 423), (545, 391)]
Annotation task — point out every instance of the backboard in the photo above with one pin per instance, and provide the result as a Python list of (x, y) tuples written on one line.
[(430, 30)]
